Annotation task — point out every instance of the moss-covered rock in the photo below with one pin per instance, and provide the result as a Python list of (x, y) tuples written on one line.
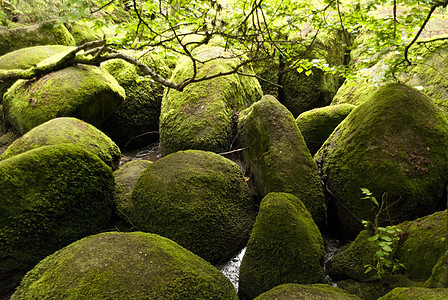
[(47, 33), (124, 266), (394, 143), (317, 124), (290, 291), (416, 293), (196, 198), (125, 180), (50, 197), (439, 275), (302, 91), (67, 130), (26, 58), (200, 117), (277, 156), (285, 246), (137, 120), (421, 243), (83, 33), (83, 92)]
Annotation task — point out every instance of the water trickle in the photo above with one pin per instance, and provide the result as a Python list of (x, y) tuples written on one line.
[(231, 269), (332, 246), (150, 152)]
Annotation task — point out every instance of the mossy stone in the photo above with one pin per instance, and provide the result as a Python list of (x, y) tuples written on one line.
[(291, 291), (416, 293), (84, 92), (26, 58), (277, 156), (200, 117), (316, 125), (83, 33), (439, 274), (50, 197), (67, 130), (394, 143), (136, 121), (198, 199), (285, 246), (117, 265), (421, 243), (51, 32), (126, 178)]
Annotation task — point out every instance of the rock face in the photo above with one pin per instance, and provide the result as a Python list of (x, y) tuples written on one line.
[(422, 243), (416, 293), (67, 130), (316, 125), (290, 291), (124, 266), (285, 246), (196, 198), (50, 197), (136, 121), (200, 117), (277, 156), (394, 143), (26, 58), (46, 33), (81, 91)]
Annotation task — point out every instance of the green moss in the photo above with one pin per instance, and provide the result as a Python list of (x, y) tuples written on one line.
[(200, 117), (124, 266), (83, 92), (137, 120), (278, 158), (83, 33), (67, 130), (47, 33), (416, 293), (285, 246), (125, 179), (439, 274), (317, 124), (50, 197), (196, 198), (290, 291), (393, 143)]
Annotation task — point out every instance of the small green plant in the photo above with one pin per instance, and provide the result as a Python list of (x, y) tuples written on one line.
[(383, 239)]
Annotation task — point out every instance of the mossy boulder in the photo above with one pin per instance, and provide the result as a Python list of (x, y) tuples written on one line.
[(136, 122), (83, 33), (50, 197), (126, 178), (200, 117), (67, 130), (198, 199), (421, 243), (289, 291), (439, 275), (84, 92), (277, 156), (26, 58), (285, 246), (117, 265), (302, 91), (317, 124), (416, 293), (394, 143), (46, 33)]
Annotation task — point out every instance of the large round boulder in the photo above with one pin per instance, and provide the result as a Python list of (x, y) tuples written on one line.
[(117, 265), (84, 92), (416, 293), (316, 125), (51, 32), (67, 130), (285, 246), (198, 199), (136, 122), (200, 117), (394, 144), (290, 291), (50, 197), (277, 157), (26, 58)]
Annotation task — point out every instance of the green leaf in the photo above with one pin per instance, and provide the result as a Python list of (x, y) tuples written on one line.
[(387, 248), (373, 238), (308, 73)]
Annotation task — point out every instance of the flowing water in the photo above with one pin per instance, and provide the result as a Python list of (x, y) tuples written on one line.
[(231, 269)]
